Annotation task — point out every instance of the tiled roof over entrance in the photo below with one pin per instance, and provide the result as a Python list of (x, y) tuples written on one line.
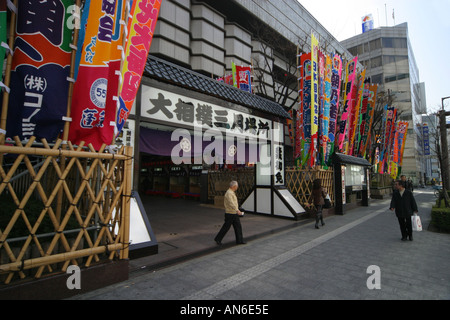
[(168, 72)]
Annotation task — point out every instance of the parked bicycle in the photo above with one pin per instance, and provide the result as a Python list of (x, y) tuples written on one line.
[(437, 190)]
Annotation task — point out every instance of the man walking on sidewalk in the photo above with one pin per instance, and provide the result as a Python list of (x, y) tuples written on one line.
[(405, 206), (232, 216)]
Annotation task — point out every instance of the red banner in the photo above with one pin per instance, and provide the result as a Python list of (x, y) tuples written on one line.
[(93, 108)]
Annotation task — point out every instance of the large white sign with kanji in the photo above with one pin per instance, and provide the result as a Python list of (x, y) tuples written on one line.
[(176, 109)]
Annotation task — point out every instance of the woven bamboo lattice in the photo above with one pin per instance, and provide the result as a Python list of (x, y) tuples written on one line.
[(75, 208), (219, 181), (299, 182)]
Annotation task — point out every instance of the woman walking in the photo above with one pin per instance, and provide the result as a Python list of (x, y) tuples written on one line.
[(319, 195)]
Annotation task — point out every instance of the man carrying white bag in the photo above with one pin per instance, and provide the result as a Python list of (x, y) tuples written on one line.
[(405, 207)]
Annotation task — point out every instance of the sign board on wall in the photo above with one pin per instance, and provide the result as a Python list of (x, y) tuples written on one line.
[(176, 109)]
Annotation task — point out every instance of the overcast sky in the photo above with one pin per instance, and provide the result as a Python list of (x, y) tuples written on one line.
[(429, 33)]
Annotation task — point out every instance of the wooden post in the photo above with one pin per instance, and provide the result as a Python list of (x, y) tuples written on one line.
[(126, 202)]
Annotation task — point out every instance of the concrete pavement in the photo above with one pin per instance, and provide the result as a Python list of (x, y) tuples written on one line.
[(353, 257)]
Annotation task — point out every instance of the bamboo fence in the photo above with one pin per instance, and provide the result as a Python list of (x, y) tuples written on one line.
[(93, 189), (59, 205), (299, 183)]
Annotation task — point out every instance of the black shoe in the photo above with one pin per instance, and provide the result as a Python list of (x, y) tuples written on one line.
[(218, 242), (404, 239), (317, 227), (242, 242), (323, 223), (410, 238)]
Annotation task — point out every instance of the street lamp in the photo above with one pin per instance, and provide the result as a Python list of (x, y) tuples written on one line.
[(444, 145)]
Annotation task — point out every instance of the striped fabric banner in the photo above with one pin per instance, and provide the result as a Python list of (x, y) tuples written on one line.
[(93, 108), (39, 71), (141, 28), (334, 103), (348, 100), (314, 99)]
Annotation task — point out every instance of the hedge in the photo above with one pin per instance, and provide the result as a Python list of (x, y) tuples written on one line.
[(440, 217)]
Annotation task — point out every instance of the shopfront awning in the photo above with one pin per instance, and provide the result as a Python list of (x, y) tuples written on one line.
[(171, 73), (346, 159)]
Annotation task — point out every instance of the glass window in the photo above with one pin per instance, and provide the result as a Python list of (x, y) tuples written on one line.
[(376, 62), (400, 43), (390, 79), (375, 44), (388, 43), (395, 43), (378, 78), (366, 47)]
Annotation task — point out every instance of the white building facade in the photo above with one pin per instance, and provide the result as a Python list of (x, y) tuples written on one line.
[(387, 54)]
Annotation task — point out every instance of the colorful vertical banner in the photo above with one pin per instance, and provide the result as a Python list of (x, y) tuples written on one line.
[(40, 67), (399, 141), (233, 72), (115, 61), (354, 118), (81, 35), (381, 140), (426, 140), (93, 110), (389, 123), (365, 139), (321, 73), (348, 100), (290, 124), (363, 118), (298, 140), (244, 78), (305, 129), (405, 124), (326, 110), (314, 98), (336, 74), (141, 28)]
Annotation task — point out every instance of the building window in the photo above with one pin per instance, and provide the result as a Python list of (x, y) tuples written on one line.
[(376, 62), (375, 44), (396, 77), (395, 43), (378, 78), (390, 79)]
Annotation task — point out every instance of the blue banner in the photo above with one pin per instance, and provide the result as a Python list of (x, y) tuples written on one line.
[(40, 67)]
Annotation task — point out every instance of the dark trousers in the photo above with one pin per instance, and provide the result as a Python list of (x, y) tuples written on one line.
[(319, 214), (405, 226), (231, 219)]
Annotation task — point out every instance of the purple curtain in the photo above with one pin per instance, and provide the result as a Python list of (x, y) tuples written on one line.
[(160, 143)]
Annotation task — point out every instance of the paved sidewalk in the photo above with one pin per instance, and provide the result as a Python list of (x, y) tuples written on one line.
[(303, 263)]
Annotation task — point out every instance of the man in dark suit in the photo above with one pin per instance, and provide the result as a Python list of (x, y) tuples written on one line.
[(405, 206)]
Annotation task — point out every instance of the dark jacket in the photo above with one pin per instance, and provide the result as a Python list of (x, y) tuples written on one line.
[(319, 197), (405, 205)]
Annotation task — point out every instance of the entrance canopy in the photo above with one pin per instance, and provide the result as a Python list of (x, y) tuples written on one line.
[(167, 72)]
